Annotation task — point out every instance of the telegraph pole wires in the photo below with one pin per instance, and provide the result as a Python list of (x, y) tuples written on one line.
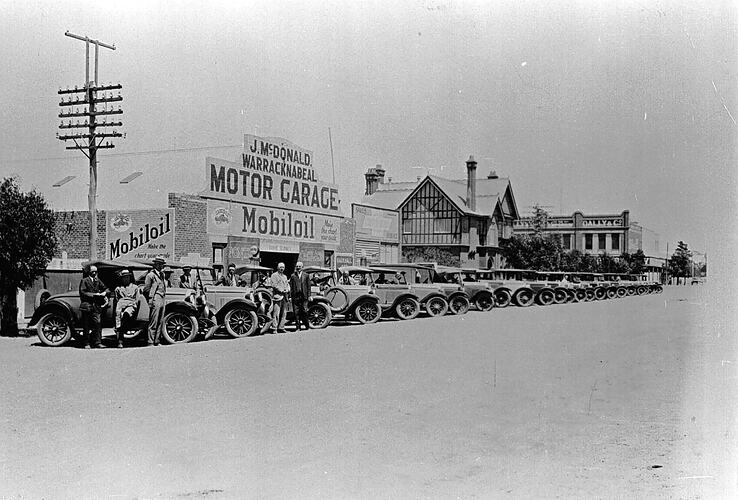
[(82, 103)]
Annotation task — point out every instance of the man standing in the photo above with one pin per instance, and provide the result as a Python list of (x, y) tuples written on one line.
[(155, 290), (300, 290), (280, 290), (93, 295)]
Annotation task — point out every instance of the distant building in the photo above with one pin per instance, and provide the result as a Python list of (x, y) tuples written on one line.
[(592, 234), (444, 220)]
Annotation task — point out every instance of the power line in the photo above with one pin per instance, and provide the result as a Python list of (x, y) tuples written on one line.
[(131, 153)]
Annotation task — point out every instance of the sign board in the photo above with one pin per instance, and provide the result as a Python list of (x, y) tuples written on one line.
[(273, 173), (243, 219), (376, 223), (140, 234), (312, 255), (344, 259), (242, 250)]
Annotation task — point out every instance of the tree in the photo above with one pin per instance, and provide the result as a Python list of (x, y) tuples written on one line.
[(540, 220), (680, 263), (27, 243)]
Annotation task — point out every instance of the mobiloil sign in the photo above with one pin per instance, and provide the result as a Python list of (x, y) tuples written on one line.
[(142, 234)]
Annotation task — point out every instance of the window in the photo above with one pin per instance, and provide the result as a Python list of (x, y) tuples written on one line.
[(588, 242), (218, 253), (601, 241), (429, 218), (566, 241), (615, 241)]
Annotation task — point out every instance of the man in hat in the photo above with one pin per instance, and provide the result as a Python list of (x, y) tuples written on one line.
[(155, 291), (300, 293), (185, 280), (229, 279), (93, 296), (126, 296)]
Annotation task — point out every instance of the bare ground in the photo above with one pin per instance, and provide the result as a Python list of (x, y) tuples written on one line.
[(629, 398)]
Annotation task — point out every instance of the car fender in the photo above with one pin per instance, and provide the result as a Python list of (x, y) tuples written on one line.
[(317, 298), (457, 294), (232, 304), (406, 295), (491, 293), (432, 296), (53, 306), (357, 300)]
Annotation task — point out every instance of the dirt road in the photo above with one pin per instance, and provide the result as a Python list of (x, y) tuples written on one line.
[(628, 398)]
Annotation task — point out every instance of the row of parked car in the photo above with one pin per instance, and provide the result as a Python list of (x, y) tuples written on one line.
[(351, 293)]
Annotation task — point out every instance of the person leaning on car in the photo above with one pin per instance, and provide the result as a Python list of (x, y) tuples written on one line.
[(93, 296), (155, 290)]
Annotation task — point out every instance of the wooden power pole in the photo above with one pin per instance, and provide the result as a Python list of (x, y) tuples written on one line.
[(82, 103)]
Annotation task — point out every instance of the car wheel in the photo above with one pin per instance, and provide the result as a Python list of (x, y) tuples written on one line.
[(641, 290), (407, 308), (484, 301), (622, 292), (179, 327), (436, 306), (600, 293), (581, 295), (319, 315), (545, 297), (631, 291), (459, 305), (53, 330), (612, 293), (368, 311), (561, 296), (337, 298), (502, 298), (659, 289), (590, 294), (572, 296), (523, 297), (241, 322)]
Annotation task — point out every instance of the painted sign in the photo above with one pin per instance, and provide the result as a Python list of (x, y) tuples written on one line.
[(376, 223), (243, 219), (140, 234), (242, 250), (272, 173)]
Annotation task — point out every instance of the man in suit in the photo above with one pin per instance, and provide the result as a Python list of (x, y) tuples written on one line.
[(300, 292), (155, 290), (93, 296)]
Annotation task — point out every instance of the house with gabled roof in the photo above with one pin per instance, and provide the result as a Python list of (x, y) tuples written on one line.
[(449, 221)]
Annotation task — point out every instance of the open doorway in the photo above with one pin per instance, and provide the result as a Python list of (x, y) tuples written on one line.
[(271, 259)]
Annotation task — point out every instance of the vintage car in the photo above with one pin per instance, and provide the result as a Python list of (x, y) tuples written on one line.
[(565, 288), (594, 285), (480, 293), (396, 280), (353, 300), (526, 287), (418, 275), (58, 318), (502, 290)]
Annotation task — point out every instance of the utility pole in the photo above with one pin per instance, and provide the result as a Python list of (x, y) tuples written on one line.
[(90, 141)]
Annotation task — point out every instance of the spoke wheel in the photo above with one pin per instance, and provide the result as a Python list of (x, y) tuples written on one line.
[(179, 327), (631, 291), (502, 298), (622, 292), (368, 312), (53, 330), (561, 296), (484, 302), (319, 315), (581, 294), (459, 305), (241, 322), (436, 306), (545, 297), (600, 293), (407, 308), (612, 293), (523, 298)]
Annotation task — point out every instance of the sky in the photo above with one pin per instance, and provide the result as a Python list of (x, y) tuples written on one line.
[(592, 106)]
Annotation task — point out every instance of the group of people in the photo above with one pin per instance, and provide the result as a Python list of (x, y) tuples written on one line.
[(95, 296)]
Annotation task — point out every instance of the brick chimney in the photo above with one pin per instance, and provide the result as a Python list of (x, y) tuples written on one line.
[(471, 184), (372, 180), (380, 173)]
